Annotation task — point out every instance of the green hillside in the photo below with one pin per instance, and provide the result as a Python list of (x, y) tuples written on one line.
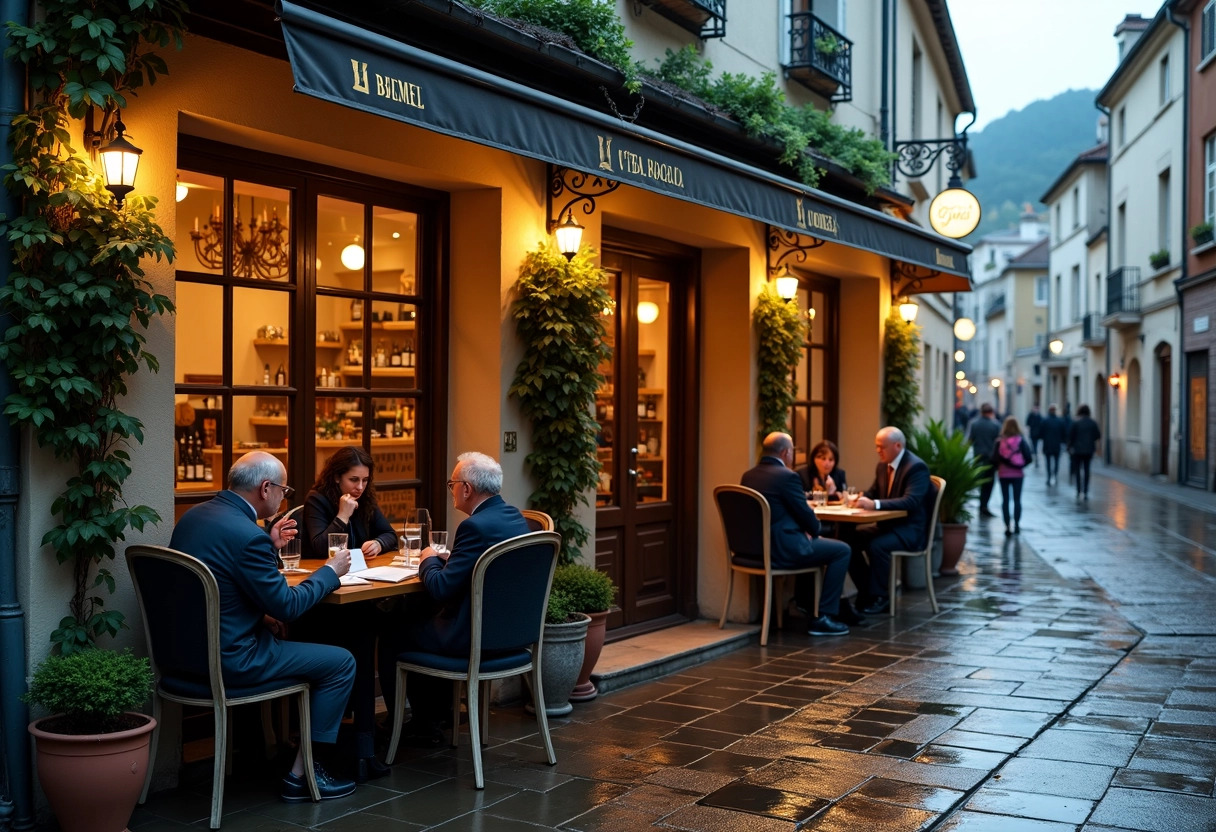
[(1019, 155)]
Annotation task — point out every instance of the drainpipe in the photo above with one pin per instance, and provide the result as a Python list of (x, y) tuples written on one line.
[(16, 788), (883, 110), (894, 71), (1110, 222), (1180, 369)]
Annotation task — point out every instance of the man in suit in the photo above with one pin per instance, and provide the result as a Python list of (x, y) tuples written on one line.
[(1053, 434), (442, 622), (254, 598), (901, 483), (983, 433), (794, 534), (1034, 424)]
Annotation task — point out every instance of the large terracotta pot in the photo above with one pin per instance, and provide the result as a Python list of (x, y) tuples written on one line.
[(561, 660), (584, 689), (93, 781), (954, 538)]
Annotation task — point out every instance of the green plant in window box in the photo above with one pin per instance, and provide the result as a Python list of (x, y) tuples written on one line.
[(1202, 233), (1159, 259), (828, 44)]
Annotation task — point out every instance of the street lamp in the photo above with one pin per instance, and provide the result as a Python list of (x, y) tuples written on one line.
[(908, 310), (996, 383), (964, 329), (959, 356), (1056, 346)]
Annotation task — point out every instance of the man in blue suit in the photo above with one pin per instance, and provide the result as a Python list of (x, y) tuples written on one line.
[(443, 623), (224, 534), (794, 539), (901, 483)]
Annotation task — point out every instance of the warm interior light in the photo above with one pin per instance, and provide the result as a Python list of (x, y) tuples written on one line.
[(120, 163), (787, 284), (810, 313), (960, 356), (960, 374), (964, 329), (1114, 380), (648, 312), (569, 236), (908, 310), (183, 191), (996, 382), (1056, 346), (353, 256)]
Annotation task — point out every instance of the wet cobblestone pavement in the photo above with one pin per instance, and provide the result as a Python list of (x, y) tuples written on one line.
[(1069, 683)]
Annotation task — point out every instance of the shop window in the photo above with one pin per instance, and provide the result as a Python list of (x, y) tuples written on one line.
[(814, 414)]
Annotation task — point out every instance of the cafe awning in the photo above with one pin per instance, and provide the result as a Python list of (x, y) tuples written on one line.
[(338, 62)]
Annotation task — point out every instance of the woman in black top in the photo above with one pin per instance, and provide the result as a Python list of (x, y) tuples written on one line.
[(1083, 436), (823, 474)]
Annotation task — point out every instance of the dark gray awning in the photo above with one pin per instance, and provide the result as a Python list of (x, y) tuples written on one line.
[(338, 62)]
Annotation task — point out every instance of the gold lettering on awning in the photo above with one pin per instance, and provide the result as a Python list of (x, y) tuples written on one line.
[(642, 166), (943, 259), (360, 70), (399, 91), (816, 220)]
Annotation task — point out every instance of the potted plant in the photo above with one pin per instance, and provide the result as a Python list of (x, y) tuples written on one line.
[(592, 592), (827, 44), (948, 455), (562, 648), (92, 751), (1202, 233), (1159, 259)]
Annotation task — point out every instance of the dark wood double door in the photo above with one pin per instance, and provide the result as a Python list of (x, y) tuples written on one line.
[(647, 411)]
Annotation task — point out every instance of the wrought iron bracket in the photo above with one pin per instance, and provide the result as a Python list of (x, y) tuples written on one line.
[(908, 278), (916, 157), (785, 244), (575, 187)]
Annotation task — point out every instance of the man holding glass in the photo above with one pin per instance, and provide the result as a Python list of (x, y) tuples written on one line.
[(224, 534)]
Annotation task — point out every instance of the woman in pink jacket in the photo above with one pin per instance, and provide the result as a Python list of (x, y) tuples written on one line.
[(1013, 453)]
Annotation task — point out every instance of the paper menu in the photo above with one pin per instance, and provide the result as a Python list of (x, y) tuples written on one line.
[(357, 562)]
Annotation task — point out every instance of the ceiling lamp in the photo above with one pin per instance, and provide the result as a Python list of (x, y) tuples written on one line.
[(964, 329), (353, 256), (960, 356), (569, 236), (908, 310), (648, 312), (120, 163), (1056, 346)]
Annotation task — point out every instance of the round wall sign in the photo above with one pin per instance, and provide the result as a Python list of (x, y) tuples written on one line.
[(955, 212)]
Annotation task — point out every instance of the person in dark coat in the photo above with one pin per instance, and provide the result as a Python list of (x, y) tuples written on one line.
[(983, 433), (1083, 437), (1053, 434), (255, 599), (1034, 426), (824, 473)]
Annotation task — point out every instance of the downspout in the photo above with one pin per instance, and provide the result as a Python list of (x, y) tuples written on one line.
[(1110, 155), (16, 787), (894, 70), (883, 112), (1186, 161)]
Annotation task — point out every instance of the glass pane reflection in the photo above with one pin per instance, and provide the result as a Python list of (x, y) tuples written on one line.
[(261, 240), (200, 246), (394, 251), (340, 239)]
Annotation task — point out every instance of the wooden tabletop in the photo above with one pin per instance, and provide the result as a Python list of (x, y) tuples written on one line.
[(355, 594), (838, 514)]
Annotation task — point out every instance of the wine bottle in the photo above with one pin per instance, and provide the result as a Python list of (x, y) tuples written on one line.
[(207, 473), (191, 476), (394, 359), (280, 376), (266, 374), (356, 310), (651, 410), (181, 458)]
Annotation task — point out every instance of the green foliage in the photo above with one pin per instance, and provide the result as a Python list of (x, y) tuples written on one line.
[(827, 44), (588, 589), (1202, 233), (781, 329), (948, 455), (558, 315), (561, 607), (78, 297), (901, 359), (1160, 258), (760, 107), (593, 25), (91, 688)]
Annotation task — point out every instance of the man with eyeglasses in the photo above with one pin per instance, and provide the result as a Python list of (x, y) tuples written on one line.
[(224, 534), (440, 621)]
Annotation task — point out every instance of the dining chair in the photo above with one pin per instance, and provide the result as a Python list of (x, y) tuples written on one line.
[(180, 603), (509, 596), (926, 553), (746, 519), (537, 521)]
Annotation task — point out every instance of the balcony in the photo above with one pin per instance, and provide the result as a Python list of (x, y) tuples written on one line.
[(821, 58), (1093, 334), (1123, 298), (704, 18), (997, 306)]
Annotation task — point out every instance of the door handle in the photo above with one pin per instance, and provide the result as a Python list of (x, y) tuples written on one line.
[(632, 472)]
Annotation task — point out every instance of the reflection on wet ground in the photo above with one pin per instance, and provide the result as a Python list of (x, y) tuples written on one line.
[(1068, 683)]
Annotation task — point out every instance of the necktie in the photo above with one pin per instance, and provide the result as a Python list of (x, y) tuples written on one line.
[(890, 478)]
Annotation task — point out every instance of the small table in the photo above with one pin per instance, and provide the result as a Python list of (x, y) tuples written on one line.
[(857, 516), (355, 594)]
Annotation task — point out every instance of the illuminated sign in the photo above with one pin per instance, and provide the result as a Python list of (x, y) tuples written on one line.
[(955, 212)]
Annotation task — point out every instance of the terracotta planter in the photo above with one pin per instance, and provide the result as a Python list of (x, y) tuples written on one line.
[(584, 689), (93, 781), (954, 538), (561, 660)]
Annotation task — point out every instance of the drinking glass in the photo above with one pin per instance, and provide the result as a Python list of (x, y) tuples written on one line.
[(337, 542), (439, 542), (290, 555), (853, 493), (413, 550), (819, 498)]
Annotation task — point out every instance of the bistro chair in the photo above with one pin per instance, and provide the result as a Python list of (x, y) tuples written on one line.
[(746, 522), (926, 553), (510, 594), (180, 603), (537, 521)]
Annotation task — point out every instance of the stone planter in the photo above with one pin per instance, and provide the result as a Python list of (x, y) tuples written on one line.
[(954, 538), (561, 660), (93, 781), (584, 688)]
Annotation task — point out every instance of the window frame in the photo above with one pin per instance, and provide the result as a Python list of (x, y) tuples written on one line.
[(1207, 29), (1209, 173)]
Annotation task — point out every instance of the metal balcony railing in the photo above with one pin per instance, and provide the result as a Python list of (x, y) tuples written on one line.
[(1092, 329), (1123, 290), (997, 306), (704, 18), (820, 57)]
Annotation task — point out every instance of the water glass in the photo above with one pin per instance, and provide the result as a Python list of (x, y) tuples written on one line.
[(337, 542), (819, 498), (290, 555), (439, 542), (413, 549), (853, 493)]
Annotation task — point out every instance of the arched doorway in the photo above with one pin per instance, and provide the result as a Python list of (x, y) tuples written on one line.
[(1132, 440), (1161, 455)]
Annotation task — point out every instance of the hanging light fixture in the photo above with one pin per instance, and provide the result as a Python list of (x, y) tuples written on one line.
[(648, 312), (353, 256), (961, 374), (908, 310), (569, 236), (973, 389), (120, 163), (964, 329), (787, 284), (1115, 380), (1056, 346)]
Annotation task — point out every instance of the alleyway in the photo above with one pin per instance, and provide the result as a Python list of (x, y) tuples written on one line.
[(1069, 683)]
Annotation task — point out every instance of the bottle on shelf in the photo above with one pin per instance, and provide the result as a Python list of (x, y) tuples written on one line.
[(356, 309), (651, 410), (181, 458), (191, 475), (394, 357), (335, 377), (409, 354), (323, 377), (207, 473), (266, 374), (641, 408), (280, 376), (380, 359)]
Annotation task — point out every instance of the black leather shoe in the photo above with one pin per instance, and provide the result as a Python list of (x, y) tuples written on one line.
[(848, 615), (986, 513), (825, 625), (295, 787), (877, 606), (370, 768)]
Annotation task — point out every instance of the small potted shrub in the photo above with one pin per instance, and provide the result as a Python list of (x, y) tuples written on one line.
[(1202, 233), (1159, 259), (562, 650), (592, 592), (827, 44), (92, 751)]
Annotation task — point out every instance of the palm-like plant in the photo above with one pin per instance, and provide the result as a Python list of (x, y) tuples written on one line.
[(948, 455)]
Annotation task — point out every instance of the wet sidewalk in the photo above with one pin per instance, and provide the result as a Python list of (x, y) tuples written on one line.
[(1069, 683)]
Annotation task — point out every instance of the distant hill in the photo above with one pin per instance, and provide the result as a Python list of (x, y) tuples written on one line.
[(1019, 155)]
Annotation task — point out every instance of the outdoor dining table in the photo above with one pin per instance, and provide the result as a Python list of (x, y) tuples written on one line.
[(857, 516), (371, 591)]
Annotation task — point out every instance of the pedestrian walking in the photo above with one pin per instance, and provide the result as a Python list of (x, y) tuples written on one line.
[(1053, 433), (983, 433), (1083, 437), (1034, 424), (1013, 453)]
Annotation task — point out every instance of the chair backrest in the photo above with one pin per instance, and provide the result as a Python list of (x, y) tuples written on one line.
[(180, 602), (940, 484), (537, 521), (510, 592), (746, 520)]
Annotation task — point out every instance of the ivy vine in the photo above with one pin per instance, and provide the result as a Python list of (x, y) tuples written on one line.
[(78, 295), (781, 329), (558, 315), (901, 360)]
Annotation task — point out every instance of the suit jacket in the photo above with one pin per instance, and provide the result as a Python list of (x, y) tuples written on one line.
[(1052, 434), (224, 534), (790, 518), (809, 475), (321, 520), (983, 433), (450, 583), (911, 491)]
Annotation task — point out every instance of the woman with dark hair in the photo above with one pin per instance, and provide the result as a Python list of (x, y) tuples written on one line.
[(823, 474), (1013, 453), (1083, 436)]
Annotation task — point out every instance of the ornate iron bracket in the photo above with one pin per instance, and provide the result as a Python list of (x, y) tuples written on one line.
[(579, 187), (916, 157), (793, 245), (908, 278)]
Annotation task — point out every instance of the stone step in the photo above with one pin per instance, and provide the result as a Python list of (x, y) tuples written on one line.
[(649, 656)]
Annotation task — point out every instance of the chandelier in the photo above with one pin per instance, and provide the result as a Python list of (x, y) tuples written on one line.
[(262, 252)]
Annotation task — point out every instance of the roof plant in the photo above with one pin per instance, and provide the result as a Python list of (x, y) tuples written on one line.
[(78, 296)]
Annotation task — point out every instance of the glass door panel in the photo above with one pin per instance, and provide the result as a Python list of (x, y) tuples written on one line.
[(606, 407), (261, 231), (650, 402), (394, 251), (199, 243), (341, 256)]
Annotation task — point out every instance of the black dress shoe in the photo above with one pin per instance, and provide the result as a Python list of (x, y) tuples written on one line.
[(986, 513), (825, 625), (848, 615), (877, 606), (295, 787), (370, 768)]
